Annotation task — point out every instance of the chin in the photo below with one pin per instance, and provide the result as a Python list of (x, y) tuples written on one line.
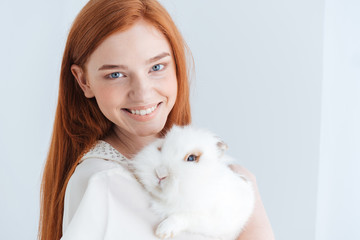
[(149, 130)]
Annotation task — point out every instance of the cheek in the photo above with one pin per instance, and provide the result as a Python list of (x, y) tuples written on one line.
[(171, 88), (108, 97)]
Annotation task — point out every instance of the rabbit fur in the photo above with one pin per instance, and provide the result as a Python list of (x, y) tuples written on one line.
[(192, 187)]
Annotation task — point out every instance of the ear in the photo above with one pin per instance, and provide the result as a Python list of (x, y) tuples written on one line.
[(79, 75), (159, 144), (222, 146)]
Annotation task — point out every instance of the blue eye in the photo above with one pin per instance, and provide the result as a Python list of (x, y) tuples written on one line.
[(115, 75), (157, 67), (191, 158)]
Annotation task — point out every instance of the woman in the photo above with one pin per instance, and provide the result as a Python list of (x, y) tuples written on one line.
[(124, 82)]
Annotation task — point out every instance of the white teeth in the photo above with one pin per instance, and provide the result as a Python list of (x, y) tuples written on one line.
[(143, 111)]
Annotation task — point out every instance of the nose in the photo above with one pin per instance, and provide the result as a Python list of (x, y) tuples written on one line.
[(161, 173), (140, 87)]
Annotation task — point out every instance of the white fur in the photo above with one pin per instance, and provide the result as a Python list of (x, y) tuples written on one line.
[(204, 197)]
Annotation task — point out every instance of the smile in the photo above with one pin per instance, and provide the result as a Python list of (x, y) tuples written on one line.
[(143, 112)]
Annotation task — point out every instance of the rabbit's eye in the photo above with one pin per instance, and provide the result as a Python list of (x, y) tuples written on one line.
[(191, 158)]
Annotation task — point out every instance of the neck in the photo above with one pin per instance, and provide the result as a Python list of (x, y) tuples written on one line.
[(128, 144)]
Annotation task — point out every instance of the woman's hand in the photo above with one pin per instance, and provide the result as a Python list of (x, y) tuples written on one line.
[(258, 227)]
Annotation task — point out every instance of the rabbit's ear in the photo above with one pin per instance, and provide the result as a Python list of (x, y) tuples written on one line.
[(222, 146), (159, 144)]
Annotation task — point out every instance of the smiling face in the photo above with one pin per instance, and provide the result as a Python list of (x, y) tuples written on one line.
[(133, 78)]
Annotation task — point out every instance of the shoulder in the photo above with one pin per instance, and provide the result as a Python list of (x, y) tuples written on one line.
[(91, 172), (85, 171), (79, 182), (99, 158), (243, 171), (102, 156)]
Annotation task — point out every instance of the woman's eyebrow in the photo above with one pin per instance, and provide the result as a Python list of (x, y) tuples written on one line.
[(110, 66), (151, 60), (158, 57)]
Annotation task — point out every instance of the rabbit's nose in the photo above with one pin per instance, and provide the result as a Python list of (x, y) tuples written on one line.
[(161, 172)]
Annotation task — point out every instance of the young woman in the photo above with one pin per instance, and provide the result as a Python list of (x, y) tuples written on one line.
[(123, 83)]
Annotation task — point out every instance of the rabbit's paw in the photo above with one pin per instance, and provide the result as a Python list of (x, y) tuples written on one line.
[(169, 228)]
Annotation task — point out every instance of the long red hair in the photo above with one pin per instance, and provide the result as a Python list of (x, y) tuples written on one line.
[(78, 120)]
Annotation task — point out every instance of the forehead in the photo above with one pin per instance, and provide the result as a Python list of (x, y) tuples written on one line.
[(138, 43)]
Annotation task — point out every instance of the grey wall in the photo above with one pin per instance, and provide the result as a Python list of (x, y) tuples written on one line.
[(258, 85), (32, 39), (339, 175), (260, 67)]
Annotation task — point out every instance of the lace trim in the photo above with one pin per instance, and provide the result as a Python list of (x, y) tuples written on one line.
[(105, 151)]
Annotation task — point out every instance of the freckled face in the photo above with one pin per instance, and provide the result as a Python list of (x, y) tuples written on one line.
[(133, 78)]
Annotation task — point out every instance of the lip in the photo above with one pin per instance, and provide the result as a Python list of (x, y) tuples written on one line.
[(143, 107), (143, 118)]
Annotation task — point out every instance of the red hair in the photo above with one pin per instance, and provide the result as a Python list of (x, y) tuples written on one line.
[(78, 120)]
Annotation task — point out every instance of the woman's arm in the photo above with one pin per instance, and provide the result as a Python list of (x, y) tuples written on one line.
[(258, 227)]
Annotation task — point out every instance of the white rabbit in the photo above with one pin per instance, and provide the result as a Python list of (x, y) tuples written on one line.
[(192, 186)]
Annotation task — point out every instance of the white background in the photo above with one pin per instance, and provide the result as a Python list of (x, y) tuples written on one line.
[(278, 80)]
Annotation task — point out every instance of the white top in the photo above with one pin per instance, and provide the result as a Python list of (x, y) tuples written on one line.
[(103, 200)]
